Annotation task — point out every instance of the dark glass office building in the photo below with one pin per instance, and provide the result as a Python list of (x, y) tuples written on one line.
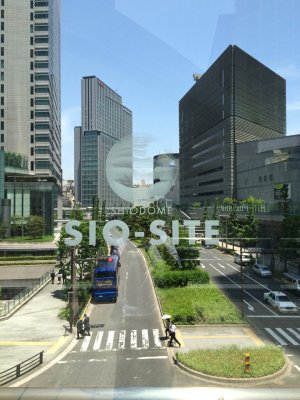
[(237, 99)]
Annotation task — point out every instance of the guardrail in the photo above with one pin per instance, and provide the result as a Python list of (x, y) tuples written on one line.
[(9, 305), (21, 369)]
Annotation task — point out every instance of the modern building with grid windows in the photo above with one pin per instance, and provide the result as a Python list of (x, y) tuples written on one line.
[(237, 99), (30, 127), (104, 122)]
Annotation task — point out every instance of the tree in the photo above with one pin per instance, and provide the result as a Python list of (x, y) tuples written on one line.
[(233, 225), (249, 228), (76, 212), (35, 226)]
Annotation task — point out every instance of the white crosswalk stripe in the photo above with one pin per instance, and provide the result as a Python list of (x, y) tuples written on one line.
[(284, 336), (143, 339)]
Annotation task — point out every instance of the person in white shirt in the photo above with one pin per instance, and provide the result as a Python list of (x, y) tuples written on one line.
[(172, 329)]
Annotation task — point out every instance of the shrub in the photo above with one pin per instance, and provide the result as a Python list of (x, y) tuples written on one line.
[(168, 279)]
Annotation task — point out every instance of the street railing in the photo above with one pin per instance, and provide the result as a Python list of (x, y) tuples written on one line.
[(8, 306), (21, 369)]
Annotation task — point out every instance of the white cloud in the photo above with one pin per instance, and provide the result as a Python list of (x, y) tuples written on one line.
[(70, 118)]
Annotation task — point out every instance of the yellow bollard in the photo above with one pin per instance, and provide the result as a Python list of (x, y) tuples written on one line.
[(247, 362)]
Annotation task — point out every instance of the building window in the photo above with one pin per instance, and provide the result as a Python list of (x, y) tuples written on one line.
[(2, 3), (2, 88), (2, 51), (41, 52), (31, 114), (2, 125), (31, 139), (2, 63), (265, 178), (32, 151), (41, 77), (41, 39), (260, 179), (2, 38), (41, 3), (42, 89), (42, 114), (41, 101), (2, 101), (41, 64), (271, 178), (31, 90), (2, 137), (31, 40), (41, 28), (32, 166), (41, 125), (31, 53), (2, 76), (2, 113), (40, 15), (2, 26), (2, 13), (32, 127)]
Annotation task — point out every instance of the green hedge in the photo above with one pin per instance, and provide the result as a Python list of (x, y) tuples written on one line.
[(169, 279)]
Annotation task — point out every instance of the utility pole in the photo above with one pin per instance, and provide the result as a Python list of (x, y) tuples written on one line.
[(242, 280), (73, 298)]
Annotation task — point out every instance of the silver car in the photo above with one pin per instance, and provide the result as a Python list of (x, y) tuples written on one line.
[(261, 270), (280, 302)]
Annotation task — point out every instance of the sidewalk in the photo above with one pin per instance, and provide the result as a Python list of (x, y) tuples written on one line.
[(35, 327), (205, 337)]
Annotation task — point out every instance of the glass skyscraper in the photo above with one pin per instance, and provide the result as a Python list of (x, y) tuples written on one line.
[(237, 99), (30, 84), (105, 121)]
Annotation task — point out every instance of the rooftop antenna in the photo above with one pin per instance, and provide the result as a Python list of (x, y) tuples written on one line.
[(197, 77)]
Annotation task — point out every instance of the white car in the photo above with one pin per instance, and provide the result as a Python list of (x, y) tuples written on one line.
[(243, 259), (280, 302), (261, 270)]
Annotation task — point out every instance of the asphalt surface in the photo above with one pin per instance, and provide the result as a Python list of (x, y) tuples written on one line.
[(36, 328)]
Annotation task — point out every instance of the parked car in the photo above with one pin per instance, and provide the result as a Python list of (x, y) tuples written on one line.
[(243, 259), (261, 270), (291, 281), (280, 302)]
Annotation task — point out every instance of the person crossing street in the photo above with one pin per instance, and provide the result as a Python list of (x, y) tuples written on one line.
[(172, 330)]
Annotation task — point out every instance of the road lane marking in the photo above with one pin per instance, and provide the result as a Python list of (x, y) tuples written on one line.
[(253, 336), (222, 266), (288, 337), (249, 294), (98, 340), (85, 343), (145, 339), (298, 368), (110, 340), (275, 336), (293, 332), (133, 339), (122, 337), (157, 341), (24, 343), (152, 358)]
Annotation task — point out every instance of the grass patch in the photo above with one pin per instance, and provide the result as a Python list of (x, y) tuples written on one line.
[(229, 362), (199, 304)]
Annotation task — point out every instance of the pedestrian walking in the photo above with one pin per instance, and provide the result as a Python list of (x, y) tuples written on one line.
[(172, 329), (86, 322), (58, 278), (167, 325), (52, 277), (64, 277), (80, 328)]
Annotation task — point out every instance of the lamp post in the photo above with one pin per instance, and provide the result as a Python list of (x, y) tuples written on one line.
[(73, 298)]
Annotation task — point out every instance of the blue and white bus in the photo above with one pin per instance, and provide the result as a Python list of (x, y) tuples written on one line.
[(106, 279)]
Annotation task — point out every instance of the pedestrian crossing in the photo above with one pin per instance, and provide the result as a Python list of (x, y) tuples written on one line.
[(144, 339), (285, 337)]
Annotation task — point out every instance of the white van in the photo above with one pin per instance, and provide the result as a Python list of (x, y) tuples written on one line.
[(291, 282), (242, 260)]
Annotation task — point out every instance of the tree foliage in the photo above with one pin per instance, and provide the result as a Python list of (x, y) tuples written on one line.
[(35, 226)]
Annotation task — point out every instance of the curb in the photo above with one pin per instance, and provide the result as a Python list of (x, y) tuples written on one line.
[(230, 381)]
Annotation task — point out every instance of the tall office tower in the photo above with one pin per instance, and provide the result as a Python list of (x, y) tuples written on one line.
[(30, 83), (104, 122), (237, 99)]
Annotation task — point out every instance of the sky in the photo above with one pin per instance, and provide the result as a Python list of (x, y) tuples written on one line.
[(148, 51)]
